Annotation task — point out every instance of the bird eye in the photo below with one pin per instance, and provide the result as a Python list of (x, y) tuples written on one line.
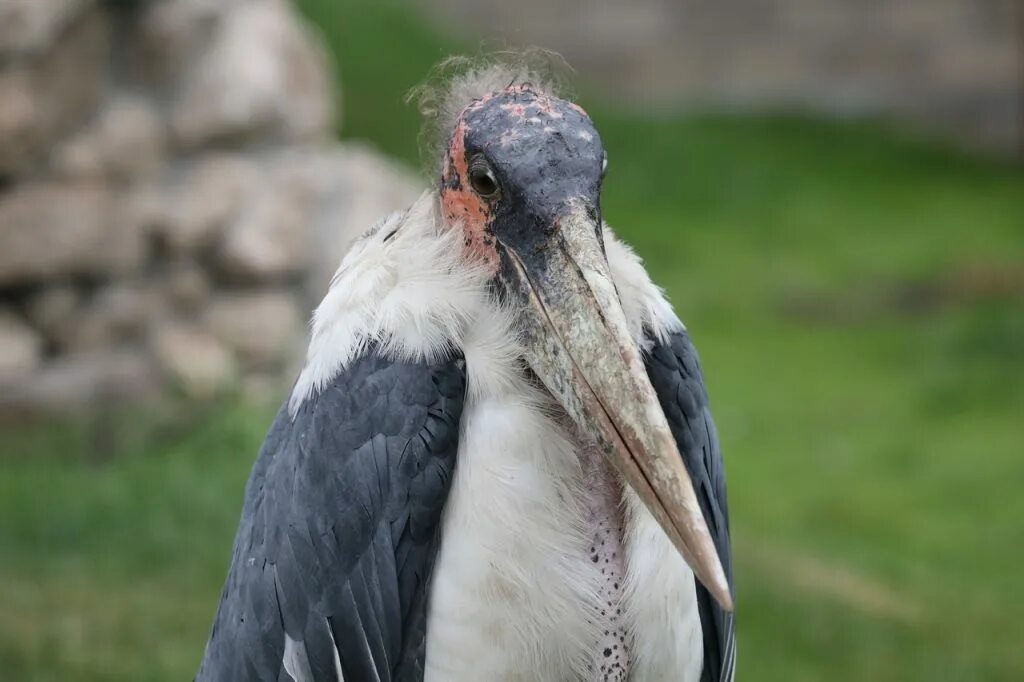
[(483, 180), (604, 165)]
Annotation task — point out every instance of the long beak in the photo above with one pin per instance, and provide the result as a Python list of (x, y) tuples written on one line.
[(578, 344)]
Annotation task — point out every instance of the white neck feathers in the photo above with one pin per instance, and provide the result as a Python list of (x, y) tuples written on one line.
[(405, 287)]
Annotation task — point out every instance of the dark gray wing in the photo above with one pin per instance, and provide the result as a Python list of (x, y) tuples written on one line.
[(339, 530), (674, 370)]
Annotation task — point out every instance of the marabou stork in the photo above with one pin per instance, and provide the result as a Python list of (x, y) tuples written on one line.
[(498, 462)]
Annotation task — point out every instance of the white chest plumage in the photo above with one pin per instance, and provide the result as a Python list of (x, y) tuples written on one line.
[(511, 590), (523, 588)]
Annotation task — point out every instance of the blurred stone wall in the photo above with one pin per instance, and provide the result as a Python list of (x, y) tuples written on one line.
[(952, 66), (172, 201)]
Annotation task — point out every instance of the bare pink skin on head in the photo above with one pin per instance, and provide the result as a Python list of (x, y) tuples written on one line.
[(462, 206)]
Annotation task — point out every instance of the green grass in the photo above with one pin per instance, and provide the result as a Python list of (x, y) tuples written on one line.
[(858, 298)]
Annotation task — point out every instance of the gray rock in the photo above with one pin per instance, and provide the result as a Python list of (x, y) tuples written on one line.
[(147, 206), (261, 76), (29, 26), (52, 307), (125, 142), (42, 98), (263, 327), (20, 348), (117, 314), (82, 383), (186, 286), (57, 230), (176, 34), (271, 237), (195, 215), (193, 359)]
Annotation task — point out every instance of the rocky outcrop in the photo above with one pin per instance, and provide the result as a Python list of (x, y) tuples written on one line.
[(172, 200)]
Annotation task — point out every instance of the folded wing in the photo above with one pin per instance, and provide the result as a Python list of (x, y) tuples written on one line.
[(339, 531), (675, 373)]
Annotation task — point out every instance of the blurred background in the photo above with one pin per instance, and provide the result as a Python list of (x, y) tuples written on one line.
[(832, 192)]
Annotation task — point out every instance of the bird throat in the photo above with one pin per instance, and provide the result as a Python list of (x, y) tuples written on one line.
[(605, 523)]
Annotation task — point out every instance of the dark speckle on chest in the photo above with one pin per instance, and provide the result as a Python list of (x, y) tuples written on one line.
[(610, 659)]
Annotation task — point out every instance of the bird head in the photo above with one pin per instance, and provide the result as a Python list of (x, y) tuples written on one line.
[(521, 177), (517, 163)]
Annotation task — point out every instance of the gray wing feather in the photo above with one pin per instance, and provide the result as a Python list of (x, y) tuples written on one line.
[(675, 373), (339, 530)]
